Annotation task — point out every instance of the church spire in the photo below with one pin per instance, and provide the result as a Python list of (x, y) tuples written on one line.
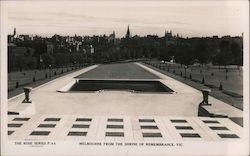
[(14, 32), (128, 35)]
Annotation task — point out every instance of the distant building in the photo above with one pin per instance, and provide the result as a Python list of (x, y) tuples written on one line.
[(88, 49), (69, 39), (128, 35), (169, 39), (50, 48), (12, 38), (92, 50), (24, 37), (78, 45), (112, 39)]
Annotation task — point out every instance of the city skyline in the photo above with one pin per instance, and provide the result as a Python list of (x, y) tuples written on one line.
[(174, 34), (88, 19)]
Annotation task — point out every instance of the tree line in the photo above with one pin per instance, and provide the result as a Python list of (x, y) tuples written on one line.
[(217, 51)]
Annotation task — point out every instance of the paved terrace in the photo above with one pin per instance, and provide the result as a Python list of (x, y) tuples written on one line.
[(119, 115)]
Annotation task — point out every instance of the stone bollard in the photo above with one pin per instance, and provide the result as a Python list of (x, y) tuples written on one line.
[(220, 87), (17, 84), (203, 80), (190, 76), (27, 91), (205, 93)]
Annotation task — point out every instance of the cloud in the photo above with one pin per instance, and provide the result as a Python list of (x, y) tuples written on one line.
[(150, 19)]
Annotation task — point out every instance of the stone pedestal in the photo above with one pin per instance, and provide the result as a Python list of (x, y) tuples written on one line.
[(27, 91), (205, 93)]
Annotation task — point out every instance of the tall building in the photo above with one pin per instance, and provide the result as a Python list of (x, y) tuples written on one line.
[(112, 39), (168, 38), (14, 35), (12, 38), (128, 35)]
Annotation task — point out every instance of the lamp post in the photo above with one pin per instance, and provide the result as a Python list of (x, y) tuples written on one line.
[(50, 70), (41, 62), (185, 71), (226, 72)]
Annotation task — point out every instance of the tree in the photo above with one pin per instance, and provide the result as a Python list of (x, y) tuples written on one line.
[(201, 52), (224, 55), (237, 55), (48, 59)]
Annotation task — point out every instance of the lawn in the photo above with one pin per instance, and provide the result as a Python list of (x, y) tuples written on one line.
[(230, 78), (21, 78)]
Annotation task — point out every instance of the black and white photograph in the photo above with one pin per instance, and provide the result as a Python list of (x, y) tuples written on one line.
[(137, 77)]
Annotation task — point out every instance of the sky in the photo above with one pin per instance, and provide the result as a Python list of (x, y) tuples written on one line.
[(192, 19)]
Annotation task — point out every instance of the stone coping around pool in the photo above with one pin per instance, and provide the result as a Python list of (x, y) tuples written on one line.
[(68, 86)]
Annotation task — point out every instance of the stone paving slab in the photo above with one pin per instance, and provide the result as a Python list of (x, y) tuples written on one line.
[(132, 131)]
